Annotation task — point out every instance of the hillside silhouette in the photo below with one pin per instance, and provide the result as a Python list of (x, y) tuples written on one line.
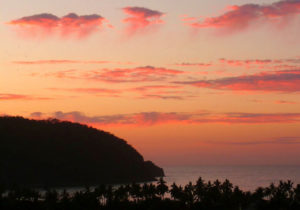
[(59, 153)]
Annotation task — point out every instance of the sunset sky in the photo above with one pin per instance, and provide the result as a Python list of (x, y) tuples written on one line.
[(184, 82)]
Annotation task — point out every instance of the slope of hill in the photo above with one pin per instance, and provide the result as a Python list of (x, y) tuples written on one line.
[(60, 153)]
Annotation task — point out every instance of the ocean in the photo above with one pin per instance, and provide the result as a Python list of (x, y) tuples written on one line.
[(246, 177)]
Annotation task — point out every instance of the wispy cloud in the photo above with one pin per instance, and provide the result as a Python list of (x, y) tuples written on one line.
[(238, 18), (119, 75), (49, 62), (141, 18), (8, 97), (285, 102), (104, 92), (288, 63), (164, 97), (154, 118), (280, 81), (186, 64), (246, 62), (45, 25), (285, 140), (159, 88), (165, 92)]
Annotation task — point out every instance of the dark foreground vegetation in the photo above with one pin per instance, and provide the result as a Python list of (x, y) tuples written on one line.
[(202, 195), (38, 153)]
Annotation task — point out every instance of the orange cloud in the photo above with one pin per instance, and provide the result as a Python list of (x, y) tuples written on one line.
[(241, 17), (154, 118), (285, 102), (45, 25), (41, 62), (144, 92), (278, 140), (165, 92), (245, 62), (118, 75), (193, 64), (155, 88), (6, 97), (95, 91), (289, 63), (164, 97), (141, 18), (49, 62), (280, 81)]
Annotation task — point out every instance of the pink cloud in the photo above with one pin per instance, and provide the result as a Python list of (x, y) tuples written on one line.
[(141, 18), (144, 92), (7, 97), (165, 92), (279, 140), (103, 92), (245, 62), (156, 118), (45, 25), (41, 62), (163, 97), (50, 62), (241, 17), (285, 102), (289, 63), (119, 75), (88, 90), (279, 81), (186, 64), (155, 88)]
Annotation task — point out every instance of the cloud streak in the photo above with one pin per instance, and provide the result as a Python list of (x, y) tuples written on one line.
[(289, 140), (238, 18), (120, 75), (9, 97), (279, 81), (144, 92), (141, 18), (50, 62), (155, 118), (46, 25), (186, 64), (98, 92)]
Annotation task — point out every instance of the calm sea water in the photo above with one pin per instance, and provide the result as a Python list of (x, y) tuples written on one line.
[(246, 177)]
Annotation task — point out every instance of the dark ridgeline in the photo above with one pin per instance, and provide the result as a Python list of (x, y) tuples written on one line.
[(51, 153)]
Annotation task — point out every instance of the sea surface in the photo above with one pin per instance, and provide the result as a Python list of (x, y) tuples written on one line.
[(246, 177)]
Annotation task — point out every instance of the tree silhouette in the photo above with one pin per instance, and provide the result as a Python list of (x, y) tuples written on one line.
[(200, 189), (161, 187), (203, 195), (135, 191), (121, 194), (176, 192), (65, 200), (189, 195)]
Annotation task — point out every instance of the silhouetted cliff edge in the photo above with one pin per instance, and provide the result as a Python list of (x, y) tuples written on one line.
[(60, 153)]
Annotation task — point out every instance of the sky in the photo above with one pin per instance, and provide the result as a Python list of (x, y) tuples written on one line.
[(184, 82)]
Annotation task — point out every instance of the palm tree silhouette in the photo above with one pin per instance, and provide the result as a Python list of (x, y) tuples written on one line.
[(200, 189), (161, 187), (135, 191), (189, 194)]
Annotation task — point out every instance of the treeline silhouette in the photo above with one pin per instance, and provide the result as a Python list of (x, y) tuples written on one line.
[(59, 153), (201, 195)]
